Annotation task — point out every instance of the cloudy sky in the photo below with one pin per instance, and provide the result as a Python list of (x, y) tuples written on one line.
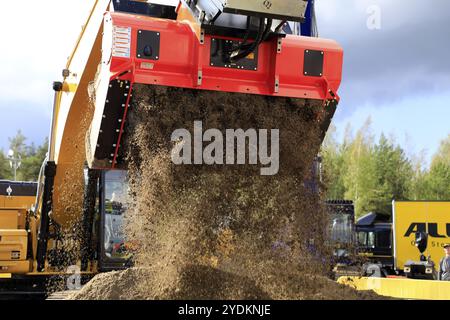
[(398, 73)]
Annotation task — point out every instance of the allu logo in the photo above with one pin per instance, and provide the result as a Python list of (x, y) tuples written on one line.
[(433, 229)]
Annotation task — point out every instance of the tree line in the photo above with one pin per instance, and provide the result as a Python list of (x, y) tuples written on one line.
[(373, 172)]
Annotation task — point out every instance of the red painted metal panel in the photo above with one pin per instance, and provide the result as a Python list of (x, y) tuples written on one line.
[(182, 57)]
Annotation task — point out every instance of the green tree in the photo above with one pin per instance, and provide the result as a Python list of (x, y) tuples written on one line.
[(443, 154), (393, 173), (32, 163), (360, 179), (17, 144), (31, 156), (419, 180), (334, 166), (5, 170), (438, 179), (373, 174), (438, 182)]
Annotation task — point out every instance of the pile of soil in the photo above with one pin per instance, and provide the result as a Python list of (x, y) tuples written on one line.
[(202, 283), (221, 231)]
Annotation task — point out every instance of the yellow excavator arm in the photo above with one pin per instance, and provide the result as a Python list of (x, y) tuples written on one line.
[(72, 113)]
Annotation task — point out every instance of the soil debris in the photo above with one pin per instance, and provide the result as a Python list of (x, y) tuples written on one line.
[(222, 231)]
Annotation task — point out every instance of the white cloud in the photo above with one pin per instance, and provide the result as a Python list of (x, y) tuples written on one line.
[(37, 37)]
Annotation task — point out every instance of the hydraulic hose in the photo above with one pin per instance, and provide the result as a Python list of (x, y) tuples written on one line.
[(262, 32)]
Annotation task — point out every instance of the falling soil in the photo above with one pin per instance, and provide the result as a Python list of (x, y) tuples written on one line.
[(208, 283), (222, 231)]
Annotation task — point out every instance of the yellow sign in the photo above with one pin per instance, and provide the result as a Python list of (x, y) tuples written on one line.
[(410, 217)]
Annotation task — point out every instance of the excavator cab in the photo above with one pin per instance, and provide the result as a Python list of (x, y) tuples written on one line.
[(103, 221), (113, 203)]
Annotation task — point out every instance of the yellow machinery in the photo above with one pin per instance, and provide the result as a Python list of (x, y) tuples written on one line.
[(17, 194), (427, 219), (401, 288), (245, 47), (17, 226), (428, 222)]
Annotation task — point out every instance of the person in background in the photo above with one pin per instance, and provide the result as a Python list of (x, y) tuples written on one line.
[(444, 265)]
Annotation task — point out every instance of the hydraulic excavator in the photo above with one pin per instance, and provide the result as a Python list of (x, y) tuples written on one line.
[(248, 47)]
